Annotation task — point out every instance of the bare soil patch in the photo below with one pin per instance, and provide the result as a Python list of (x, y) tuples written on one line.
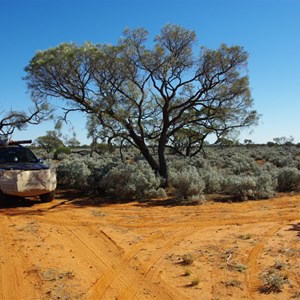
[(79, 247)]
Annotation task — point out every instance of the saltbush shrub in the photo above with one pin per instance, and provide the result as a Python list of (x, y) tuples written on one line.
[(288, 179), (132, 181), (241, 187), (42, 154), (73, 173), (281, 161), (246, 187), (187, 183), (239, 164), (213, 180), (265, 186), (61, 152), (233, 171)]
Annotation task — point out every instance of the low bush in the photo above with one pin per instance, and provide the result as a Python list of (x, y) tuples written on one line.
[(187, 184), (132, 181), (233, 171), (288, 180), (61, 152), (265, 186), (242, 187), (213, 180), (73, 173), (250, 187)]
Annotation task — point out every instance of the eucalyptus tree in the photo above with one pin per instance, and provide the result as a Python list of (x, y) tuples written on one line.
[(147, 95), (16, 119), (49, 142), (283, 140)]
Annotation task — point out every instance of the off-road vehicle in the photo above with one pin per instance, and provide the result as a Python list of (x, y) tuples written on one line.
[(22, 174)]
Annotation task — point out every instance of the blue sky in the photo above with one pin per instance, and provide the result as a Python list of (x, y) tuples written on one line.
[(268, 29)]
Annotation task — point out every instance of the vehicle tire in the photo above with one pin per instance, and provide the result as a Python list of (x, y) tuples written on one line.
[(2, 198), (47, 197)]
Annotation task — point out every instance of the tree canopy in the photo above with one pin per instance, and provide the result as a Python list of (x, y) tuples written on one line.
[(49, 142), (164, 95), (13, 119)]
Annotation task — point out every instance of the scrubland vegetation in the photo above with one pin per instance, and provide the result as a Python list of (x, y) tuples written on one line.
[(236, 172), (133, 235)]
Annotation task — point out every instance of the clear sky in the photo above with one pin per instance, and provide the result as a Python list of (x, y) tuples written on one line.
[(268, 29)]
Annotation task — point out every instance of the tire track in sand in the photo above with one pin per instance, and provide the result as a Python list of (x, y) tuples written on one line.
[(121, 275), (95, 246), (149, 269), (12, 265), (125, 282), (252, 276)]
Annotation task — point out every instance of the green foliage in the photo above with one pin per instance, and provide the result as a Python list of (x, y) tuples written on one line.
[(73, 173), (132, 181), (242, 187), (187, 183), (13, 119), (49, 142), (288, 180), (283, 140), (164, 95), (240, 164), (190, 178), (213, 179), (265, 186), (273, 282), (72, 142), (61, 152), (246, 187)]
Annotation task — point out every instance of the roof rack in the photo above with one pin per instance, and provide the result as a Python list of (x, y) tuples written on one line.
[(11, 142), (19, 142)]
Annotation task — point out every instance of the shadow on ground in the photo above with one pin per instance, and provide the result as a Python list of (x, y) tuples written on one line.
[(14, 202), (296, 227), (82, 198)]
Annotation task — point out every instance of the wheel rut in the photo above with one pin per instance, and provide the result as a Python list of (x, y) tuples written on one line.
[(123, 278), (13, 265), (252, 278)]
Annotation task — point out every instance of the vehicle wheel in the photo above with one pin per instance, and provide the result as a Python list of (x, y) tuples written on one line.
[(2, 198), (47, 197)]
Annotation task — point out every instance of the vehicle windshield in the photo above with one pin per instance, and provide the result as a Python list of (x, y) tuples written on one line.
[(17, 155)]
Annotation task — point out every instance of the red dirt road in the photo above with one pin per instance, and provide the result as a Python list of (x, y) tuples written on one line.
[(80, 247)]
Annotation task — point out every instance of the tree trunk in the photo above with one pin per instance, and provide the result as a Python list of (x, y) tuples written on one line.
[(163, 168), (140, 144), (160, 168)]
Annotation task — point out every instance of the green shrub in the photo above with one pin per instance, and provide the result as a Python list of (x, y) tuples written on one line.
[(265, 186), (288, 180), (242, 187), (233, 171), (187, 183), (213, 180), (73, 173), (61, 152), (273, 282), (132, 181), (250, 187)]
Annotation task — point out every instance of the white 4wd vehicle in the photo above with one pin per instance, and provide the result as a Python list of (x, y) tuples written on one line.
[(22, 174)]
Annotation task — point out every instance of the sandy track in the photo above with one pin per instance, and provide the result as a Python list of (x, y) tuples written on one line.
[(83, 248)]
